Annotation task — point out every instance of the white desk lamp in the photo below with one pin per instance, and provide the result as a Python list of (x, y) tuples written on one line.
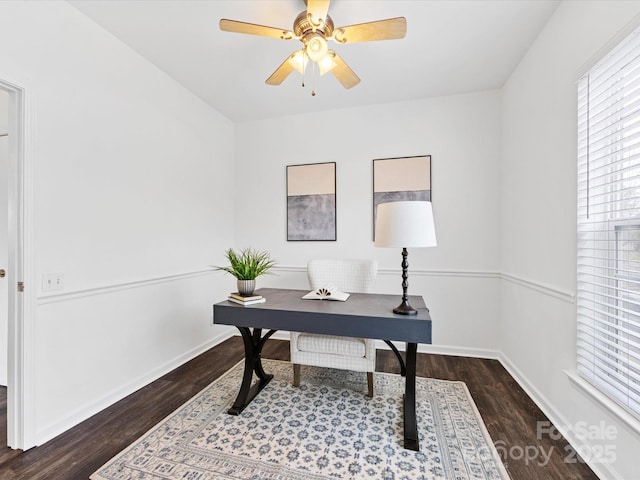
[(405, 225)]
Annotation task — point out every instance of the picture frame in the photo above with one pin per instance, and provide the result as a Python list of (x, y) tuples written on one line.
[(311, 202), (400, 179)]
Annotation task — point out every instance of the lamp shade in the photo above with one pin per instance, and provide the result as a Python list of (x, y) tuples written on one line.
[(405, 224)]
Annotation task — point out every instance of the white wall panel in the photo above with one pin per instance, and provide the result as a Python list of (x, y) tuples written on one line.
[(462, 133), (538, 331), (107, 345), (133, 176)]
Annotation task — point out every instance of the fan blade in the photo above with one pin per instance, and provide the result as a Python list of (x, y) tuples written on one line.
[(253, 29), (281, 73), (343, 72), (318, 10), (388, 29)]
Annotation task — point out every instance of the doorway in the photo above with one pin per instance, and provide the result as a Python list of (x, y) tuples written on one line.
[(4, 235), (15, 187)]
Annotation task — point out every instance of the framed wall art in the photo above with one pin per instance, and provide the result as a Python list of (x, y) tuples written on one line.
[(400, 179), (311, 202)]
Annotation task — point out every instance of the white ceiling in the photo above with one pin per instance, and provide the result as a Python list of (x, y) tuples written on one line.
[(451, 47)]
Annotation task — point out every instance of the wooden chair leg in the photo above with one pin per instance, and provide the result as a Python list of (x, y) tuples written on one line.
[(370, 383), (296, 374)]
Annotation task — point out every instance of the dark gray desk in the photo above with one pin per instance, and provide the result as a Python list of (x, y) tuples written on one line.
[(362, 315)]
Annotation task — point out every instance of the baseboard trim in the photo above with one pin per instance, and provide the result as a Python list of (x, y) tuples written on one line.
[(458, 351), (115, 287), (53, 430), (603, 470)]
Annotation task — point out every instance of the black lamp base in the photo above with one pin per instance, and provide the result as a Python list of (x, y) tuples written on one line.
[(405, 309)]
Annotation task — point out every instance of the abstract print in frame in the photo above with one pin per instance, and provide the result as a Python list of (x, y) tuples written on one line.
[(311, 202), (400, 179)]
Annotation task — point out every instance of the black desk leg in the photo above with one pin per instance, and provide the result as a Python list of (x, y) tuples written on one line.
[(252, 363), (410, 423), (403, 369)]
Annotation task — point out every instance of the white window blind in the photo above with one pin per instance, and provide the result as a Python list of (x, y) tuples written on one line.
[(609, 225)]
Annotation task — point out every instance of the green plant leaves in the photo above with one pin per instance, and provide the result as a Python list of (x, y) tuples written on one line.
[(248, 264)]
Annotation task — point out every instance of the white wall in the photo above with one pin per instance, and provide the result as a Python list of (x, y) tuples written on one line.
[(132, 180), (538, 329), (4, 124), (462, 133)]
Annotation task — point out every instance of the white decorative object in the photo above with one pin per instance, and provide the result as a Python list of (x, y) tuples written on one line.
[(327, 292)]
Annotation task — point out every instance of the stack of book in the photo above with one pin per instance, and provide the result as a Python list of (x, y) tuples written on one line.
[(246, 300)]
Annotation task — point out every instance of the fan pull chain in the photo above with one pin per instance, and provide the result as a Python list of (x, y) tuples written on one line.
[(313, 80), (304, 67)]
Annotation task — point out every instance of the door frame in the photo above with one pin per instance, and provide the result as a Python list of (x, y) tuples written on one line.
[(21, 431)]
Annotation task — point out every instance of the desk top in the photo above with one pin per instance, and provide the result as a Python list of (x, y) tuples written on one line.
[(362, 315)]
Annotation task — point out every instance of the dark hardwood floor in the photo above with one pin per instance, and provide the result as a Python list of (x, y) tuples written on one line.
[(509, 414)]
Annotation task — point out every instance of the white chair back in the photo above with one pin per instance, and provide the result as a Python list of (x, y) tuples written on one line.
[(350, 276)]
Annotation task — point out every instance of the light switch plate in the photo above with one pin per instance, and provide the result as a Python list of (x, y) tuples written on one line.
[(52, 282)]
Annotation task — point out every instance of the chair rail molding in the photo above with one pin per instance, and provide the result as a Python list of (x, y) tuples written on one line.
[(125, 285), (397, 271), (537, 286), (441, 273), (540, 287)]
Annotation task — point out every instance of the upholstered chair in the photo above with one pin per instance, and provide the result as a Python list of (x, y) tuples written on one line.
[(345, 353)]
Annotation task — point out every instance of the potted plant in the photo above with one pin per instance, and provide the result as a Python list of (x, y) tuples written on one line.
[(246, 266)]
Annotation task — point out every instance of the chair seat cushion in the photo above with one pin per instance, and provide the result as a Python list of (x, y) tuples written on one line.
[(353, 347)]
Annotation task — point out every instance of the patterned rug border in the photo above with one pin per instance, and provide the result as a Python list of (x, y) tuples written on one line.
[(96, 475), (501, 470)]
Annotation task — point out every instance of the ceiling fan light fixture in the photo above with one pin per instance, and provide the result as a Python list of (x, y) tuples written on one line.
[(317, 47), (314, 28), (299, 61), (327, 63)]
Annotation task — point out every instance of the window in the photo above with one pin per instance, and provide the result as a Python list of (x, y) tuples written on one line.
[(609, 225)]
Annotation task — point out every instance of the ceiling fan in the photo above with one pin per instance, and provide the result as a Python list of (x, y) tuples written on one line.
[(314, 27)]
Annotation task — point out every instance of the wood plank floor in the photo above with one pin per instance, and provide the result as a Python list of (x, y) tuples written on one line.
[(509, 414)]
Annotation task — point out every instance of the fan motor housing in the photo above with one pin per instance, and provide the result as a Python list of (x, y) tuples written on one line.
[(303, 25)]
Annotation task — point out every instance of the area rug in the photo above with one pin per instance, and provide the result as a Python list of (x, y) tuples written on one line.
[(326, 429)]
